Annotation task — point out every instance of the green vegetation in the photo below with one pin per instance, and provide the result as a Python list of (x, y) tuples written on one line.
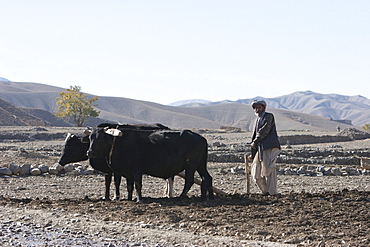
[(73, 104), (366, 127)]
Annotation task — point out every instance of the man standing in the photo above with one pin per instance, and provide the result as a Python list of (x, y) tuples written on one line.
[(265, 149)]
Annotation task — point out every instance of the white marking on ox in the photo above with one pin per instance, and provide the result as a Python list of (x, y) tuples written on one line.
[(113, 132)]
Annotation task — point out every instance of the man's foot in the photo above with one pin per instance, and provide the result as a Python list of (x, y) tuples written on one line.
[(276, 195)]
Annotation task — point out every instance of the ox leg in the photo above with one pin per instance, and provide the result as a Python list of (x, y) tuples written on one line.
[(108, 181), (169, 187), (189, 181), (117, 183), (206, 185), (130, 188), (138, 186)]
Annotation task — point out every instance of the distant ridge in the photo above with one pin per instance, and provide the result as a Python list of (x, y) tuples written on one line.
[(3, 79), (355, 109), (290, 110), (333, 106), (191, 103)]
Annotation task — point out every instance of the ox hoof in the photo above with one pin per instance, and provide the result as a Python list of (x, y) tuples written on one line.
[(183, 197), (105, 199), (139, 200)]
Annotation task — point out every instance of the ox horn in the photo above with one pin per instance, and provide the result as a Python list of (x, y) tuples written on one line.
[(87, 131), (69, 135)]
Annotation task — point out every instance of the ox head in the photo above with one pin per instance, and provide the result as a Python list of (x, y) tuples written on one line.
[(101, 140), (74, 150)]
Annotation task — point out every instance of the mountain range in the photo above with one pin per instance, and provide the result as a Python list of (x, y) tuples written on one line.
[(297, 111)]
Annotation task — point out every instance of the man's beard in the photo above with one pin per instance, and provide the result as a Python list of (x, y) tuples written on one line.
[(258, 114)]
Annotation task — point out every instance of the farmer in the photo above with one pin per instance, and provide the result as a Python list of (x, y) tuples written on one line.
[(265, 149)]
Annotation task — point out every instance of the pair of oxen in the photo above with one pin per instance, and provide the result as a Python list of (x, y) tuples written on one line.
[(133, 150)]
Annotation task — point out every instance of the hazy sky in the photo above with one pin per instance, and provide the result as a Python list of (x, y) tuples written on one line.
[(165, 51)]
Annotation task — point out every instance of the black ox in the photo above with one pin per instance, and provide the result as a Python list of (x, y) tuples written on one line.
[(76, 147), (163, 154)]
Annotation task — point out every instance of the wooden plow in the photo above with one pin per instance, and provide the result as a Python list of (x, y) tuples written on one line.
[(198, 182), (220, 192), (247, 173)]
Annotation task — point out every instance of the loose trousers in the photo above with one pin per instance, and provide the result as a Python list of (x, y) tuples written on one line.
[(264, 172)]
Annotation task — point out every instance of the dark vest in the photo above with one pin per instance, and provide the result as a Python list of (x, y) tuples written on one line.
[(269, 138)]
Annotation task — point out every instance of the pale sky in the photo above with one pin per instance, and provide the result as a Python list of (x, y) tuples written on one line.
[(166, 51)]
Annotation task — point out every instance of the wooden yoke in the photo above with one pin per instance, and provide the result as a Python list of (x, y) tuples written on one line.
[(248, 173)]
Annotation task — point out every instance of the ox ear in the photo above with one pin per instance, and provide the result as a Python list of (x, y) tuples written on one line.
[(85, 139), (113, 132), (87, 131)]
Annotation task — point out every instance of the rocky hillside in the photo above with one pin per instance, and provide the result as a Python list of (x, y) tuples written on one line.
[(14, 116), (11, 115), (123, 110)]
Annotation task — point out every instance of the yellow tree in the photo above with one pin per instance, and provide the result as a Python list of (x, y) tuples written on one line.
[(74, 104), (366, 127)]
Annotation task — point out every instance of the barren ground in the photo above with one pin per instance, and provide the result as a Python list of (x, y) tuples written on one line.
[(54, 210)]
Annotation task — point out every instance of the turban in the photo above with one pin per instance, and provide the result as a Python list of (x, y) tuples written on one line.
[(258, 102)]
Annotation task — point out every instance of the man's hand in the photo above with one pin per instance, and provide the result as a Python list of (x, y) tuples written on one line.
[(253, 145)]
